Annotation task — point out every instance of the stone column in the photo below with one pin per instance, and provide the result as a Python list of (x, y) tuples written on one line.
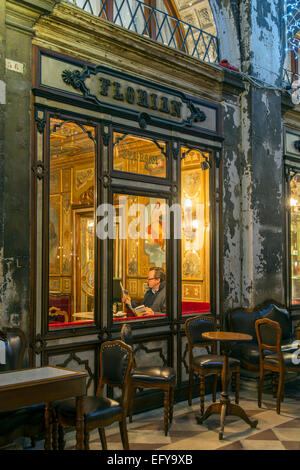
[(258, 201)]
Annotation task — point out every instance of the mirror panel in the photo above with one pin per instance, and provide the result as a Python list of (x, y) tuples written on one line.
[(195, 236), (140, 243), (71, 248)]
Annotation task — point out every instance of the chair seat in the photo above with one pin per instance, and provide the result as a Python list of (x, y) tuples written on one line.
[(153, 374), (249, 351), (94, 409), (10, 420), (208, 361), (29, 415), (287, 357)]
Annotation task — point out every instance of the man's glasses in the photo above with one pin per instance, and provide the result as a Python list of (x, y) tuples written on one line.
[(152, 278)]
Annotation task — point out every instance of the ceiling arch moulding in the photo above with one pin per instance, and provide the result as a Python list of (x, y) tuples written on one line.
[(215, 17), (227, 31)]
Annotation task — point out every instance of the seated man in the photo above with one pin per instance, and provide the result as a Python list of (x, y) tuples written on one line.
[(155, 297)]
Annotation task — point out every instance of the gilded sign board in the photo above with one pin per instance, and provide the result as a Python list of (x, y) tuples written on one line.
[(121, 91), (106, 89)]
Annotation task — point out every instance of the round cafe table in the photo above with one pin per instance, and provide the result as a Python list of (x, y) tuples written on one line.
[(224, 407)]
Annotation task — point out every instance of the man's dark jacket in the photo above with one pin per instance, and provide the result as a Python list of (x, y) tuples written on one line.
[(157, 301)]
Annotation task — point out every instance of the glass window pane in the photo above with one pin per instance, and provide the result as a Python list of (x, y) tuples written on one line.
[(71, 224), (140, 232), (195, 240), (295, 238), (138, 155)]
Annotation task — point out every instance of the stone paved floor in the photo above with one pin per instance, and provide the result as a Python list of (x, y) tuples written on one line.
[(273, 432)]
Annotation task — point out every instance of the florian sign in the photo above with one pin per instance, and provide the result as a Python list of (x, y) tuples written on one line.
[(105, 88), (139, 97), (113, 90)]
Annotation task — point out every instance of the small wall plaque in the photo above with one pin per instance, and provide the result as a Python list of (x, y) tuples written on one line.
[(15, 66)]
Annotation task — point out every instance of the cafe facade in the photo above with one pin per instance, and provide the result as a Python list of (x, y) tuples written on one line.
[(120, 154)]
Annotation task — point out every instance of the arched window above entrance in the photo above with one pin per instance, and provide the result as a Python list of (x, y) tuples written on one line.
[(159, 20)]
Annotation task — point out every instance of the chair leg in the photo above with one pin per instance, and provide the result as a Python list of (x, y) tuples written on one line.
[(86, 440), (171, 404), (202, 393), (33, 441), (61, 440), (191, 383), (274, 383), (131, 403), (279, 392), (124, 434), (166, 411), (237, 387), (102, 438), (214, 392), (260, 386), (55, 434)]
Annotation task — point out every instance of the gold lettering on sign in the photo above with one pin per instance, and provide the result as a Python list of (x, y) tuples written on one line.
[(139, 97)]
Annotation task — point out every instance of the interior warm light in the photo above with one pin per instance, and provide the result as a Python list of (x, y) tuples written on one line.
[(195, 224), (293, 202), (188, 203)]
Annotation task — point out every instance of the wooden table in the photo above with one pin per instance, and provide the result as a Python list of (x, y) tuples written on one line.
[(225, 407), (43, 385)]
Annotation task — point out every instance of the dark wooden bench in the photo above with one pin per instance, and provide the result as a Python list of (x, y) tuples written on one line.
[(242, 320)]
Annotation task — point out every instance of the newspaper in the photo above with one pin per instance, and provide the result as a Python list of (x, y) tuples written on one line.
[(138, 310)]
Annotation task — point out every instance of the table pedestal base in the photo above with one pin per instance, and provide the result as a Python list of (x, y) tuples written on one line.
[(225, 408)]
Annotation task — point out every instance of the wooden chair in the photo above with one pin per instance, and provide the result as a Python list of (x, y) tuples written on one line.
[(99, 412), (157, 377), (273, 358), (207, 364), (22, 422)]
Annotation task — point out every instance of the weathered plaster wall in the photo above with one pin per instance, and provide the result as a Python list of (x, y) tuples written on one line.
[(231, 204), (2, 135), (253, 165), (267, 204), (262, 32), (16, 201), (17, 22)]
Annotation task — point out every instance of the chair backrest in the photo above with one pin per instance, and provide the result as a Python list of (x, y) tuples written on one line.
[(115, 367), (268, 334), (15, 343), (283, 318), (195, 326), (242, 320), (126, 334)]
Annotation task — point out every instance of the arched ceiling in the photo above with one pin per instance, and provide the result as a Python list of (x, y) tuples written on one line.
[(197, 13)]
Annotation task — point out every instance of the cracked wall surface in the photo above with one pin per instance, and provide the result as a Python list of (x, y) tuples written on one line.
[(15, 184), (253, 210), (2, 138), (231, 205), (253, 166)]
